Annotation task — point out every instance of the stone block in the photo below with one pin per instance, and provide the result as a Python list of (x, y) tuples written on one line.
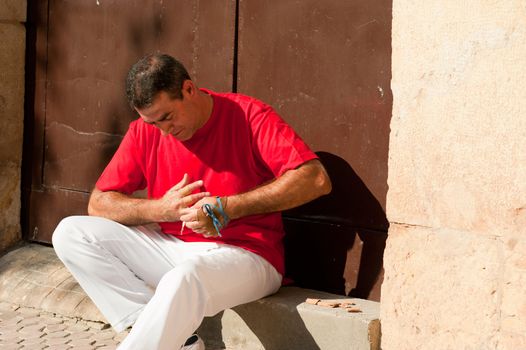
[(88, 311), (455, 267), (512, 341), (456, 154), (284, 320), (13, 10), (14, 267), (12, 37), (442, 289), (58, 277), (8, 285), (33, 276), (514, 284), (10, 232), (12, 60), (24, 255), (27, 293), (61, 301)]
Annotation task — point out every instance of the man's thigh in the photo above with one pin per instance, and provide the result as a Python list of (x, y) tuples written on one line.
[(230, 275), (144, 250)]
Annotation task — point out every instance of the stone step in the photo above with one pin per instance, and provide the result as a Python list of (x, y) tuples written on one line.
[(32, 276), (286, 321)]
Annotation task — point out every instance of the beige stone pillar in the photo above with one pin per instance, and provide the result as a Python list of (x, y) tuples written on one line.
[(12, 50), (455, 262)]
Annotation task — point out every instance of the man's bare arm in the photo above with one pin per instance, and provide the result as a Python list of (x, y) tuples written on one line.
[(136, 211), (295, 187)]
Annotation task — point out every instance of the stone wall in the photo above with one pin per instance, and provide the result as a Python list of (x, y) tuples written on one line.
[(12, 39), (455, 262)]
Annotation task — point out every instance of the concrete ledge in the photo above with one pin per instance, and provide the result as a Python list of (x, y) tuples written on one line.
[(285, 321)]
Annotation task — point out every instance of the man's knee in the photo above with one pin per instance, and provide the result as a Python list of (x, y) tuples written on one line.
[(66, 233)]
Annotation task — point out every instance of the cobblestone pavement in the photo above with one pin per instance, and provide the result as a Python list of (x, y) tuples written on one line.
[(27, 328)]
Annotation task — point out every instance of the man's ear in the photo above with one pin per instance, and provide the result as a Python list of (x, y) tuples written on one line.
[(188, 88)]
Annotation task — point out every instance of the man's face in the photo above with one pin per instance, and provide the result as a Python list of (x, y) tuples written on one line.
[(175, 117)]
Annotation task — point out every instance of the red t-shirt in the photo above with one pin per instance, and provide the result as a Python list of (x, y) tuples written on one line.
[(244, 144)]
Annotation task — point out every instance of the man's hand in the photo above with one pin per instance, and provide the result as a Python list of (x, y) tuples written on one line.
[(196, 219), (179, 198), (131, 211)]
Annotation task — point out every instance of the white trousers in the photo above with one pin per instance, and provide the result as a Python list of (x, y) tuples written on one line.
[(158, 283)]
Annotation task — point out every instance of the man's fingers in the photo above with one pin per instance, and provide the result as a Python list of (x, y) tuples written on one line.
[(190, 187), (196, 227), (193, 219), (199, 204), (183, 189), (209, 235), (188, 215), (189, 200), (192, 214), (180, 184)]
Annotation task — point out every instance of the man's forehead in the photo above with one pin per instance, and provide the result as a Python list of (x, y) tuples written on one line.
[(150, 114), (162, 106)]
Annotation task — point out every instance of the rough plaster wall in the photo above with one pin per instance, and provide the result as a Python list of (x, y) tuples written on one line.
[(12, 39), (455, 262)]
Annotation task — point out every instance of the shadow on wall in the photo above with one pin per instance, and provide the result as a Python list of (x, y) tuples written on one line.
[(321, 249)]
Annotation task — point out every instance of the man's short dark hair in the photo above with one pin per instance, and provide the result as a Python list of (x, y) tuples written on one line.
[(153, 74)]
